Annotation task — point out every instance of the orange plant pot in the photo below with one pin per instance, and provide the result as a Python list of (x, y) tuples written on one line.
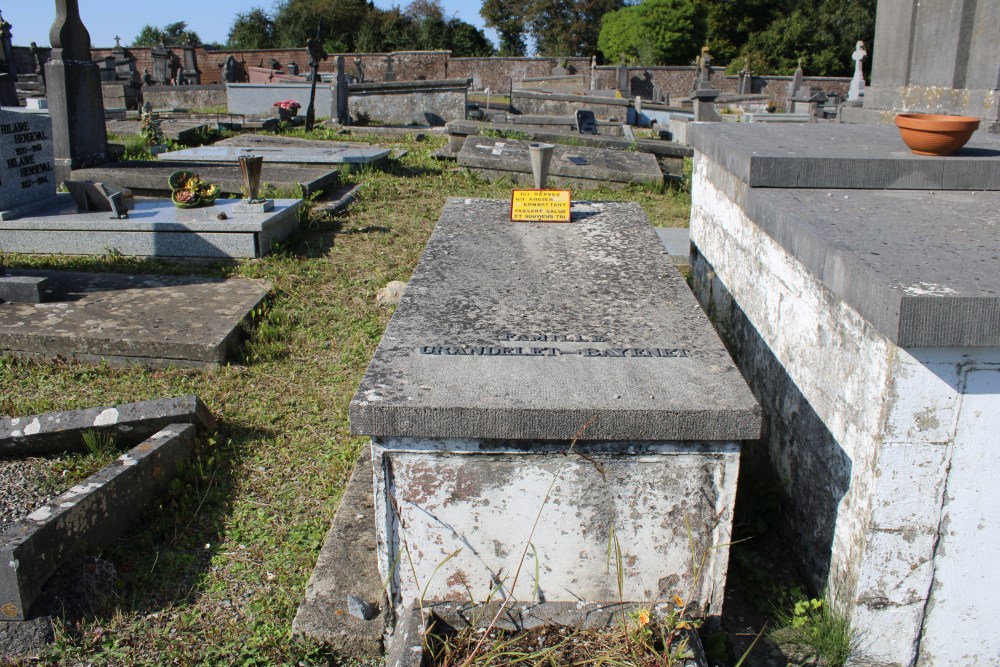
[(934, 134)]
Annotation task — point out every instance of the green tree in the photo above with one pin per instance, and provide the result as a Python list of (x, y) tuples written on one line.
[(823, 35), (252, 30), (568, 27), (337, 22), (468, 40), (172, 34), (656, 32), (507, 18)]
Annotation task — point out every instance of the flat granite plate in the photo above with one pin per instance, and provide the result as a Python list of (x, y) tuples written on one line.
[(836, 155), (570, 164), (149, 177), (532, 330), (148, 320), (331, 155)]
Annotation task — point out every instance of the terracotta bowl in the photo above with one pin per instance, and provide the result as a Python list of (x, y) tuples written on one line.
[(934, 134)]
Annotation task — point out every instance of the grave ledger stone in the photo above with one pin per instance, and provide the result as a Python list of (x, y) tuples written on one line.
[(73, 85), (511, 341)]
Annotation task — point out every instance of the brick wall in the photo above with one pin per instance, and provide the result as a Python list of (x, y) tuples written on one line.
[(494, 73)]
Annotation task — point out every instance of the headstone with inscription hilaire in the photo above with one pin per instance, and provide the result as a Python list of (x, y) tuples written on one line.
[(27, 171)]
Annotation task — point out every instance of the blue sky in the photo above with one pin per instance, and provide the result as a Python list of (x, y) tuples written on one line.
[(211, 19)]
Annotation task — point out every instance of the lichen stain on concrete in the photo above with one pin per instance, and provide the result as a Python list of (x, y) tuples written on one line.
[(107, 417), (34, 427), (127, 460), (41, 514)]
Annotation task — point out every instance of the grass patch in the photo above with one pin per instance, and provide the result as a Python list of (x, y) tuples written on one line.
[(815, 630), (214, 573)]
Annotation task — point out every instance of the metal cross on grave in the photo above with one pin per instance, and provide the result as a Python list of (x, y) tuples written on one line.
[(316, 54)]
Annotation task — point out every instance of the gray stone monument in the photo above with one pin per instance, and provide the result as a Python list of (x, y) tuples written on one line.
[(389, 74), (936, 57), (359, 72), (342, 114), (793, 86), (8, 73), (191, 74), (857, 89), (76, 104), (27, 168), (161, 63), (622, 79)]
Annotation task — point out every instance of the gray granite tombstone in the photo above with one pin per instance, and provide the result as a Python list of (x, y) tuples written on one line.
[(8, 75), (161, 63), (73, 85), (343, 117), (192, 75), (389, 74), (27, 168)]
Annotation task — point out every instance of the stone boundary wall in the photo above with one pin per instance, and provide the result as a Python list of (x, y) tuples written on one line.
[(495, 73)]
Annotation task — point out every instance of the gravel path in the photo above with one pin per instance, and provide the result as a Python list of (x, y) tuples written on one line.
[(22, 489)]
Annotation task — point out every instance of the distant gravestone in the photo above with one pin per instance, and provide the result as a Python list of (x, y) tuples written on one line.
[(858, 82), (229, 71), (389, 74), (359, 73), (192, 75), (586, 122), (794, 85), (161, 63), (27, 166)]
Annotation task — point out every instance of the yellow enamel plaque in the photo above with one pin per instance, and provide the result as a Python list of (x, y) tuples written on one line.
[(539, 206)]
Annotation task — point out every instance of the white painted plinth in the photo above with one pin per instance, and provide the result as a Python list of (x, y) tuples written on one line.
[(478, 500), (913, 432)]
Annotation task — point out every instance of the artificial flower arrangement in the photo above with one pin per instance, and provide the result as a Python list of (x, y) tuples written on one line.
[(288, 105), (189, 191)]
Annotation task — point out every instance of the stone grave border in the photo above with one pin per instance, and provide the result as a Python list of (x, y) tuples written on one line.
[(98, 510)]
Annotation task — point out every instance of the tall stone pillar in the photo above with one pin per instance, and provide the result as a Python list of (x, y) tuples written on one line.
[(76, 105), (937, 57)]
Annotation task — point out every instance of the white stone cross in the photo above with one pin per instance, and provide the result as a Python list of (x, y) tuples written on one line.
[(858, 82)]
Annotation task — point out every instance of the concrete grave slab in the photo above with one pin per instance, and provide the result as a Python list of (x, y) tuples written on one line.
[(829, 155), (176, 129), (460, 129), (87, 517), (152, 321), (571, 165), (331, 155), (149, 177), (51, 432), (513, 341), (594, 304), (154, 228), (323, 615)]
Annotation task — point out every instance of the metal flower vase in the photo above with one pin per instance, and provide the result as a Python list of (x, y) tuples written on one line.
[(251, 166)]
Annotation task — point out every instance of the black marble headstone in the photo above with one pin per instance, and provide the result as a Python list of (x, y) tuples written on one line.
[(586, 123)]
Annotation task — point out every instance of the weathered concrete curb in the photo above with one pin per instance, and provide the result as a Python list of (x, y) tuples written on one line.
[(347, 565), (62, 431), (87, 517)]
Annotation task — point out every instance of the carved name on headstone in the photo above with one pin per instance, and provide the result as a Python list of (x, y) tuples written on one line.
[(27, 167)]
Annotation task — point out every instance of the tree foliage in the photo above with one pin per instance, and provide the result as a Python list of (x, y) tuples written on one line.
[(358, 26), (558, 27), (253, 29), (508, 20), (172, 34), (773, 34), (656, 32)]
